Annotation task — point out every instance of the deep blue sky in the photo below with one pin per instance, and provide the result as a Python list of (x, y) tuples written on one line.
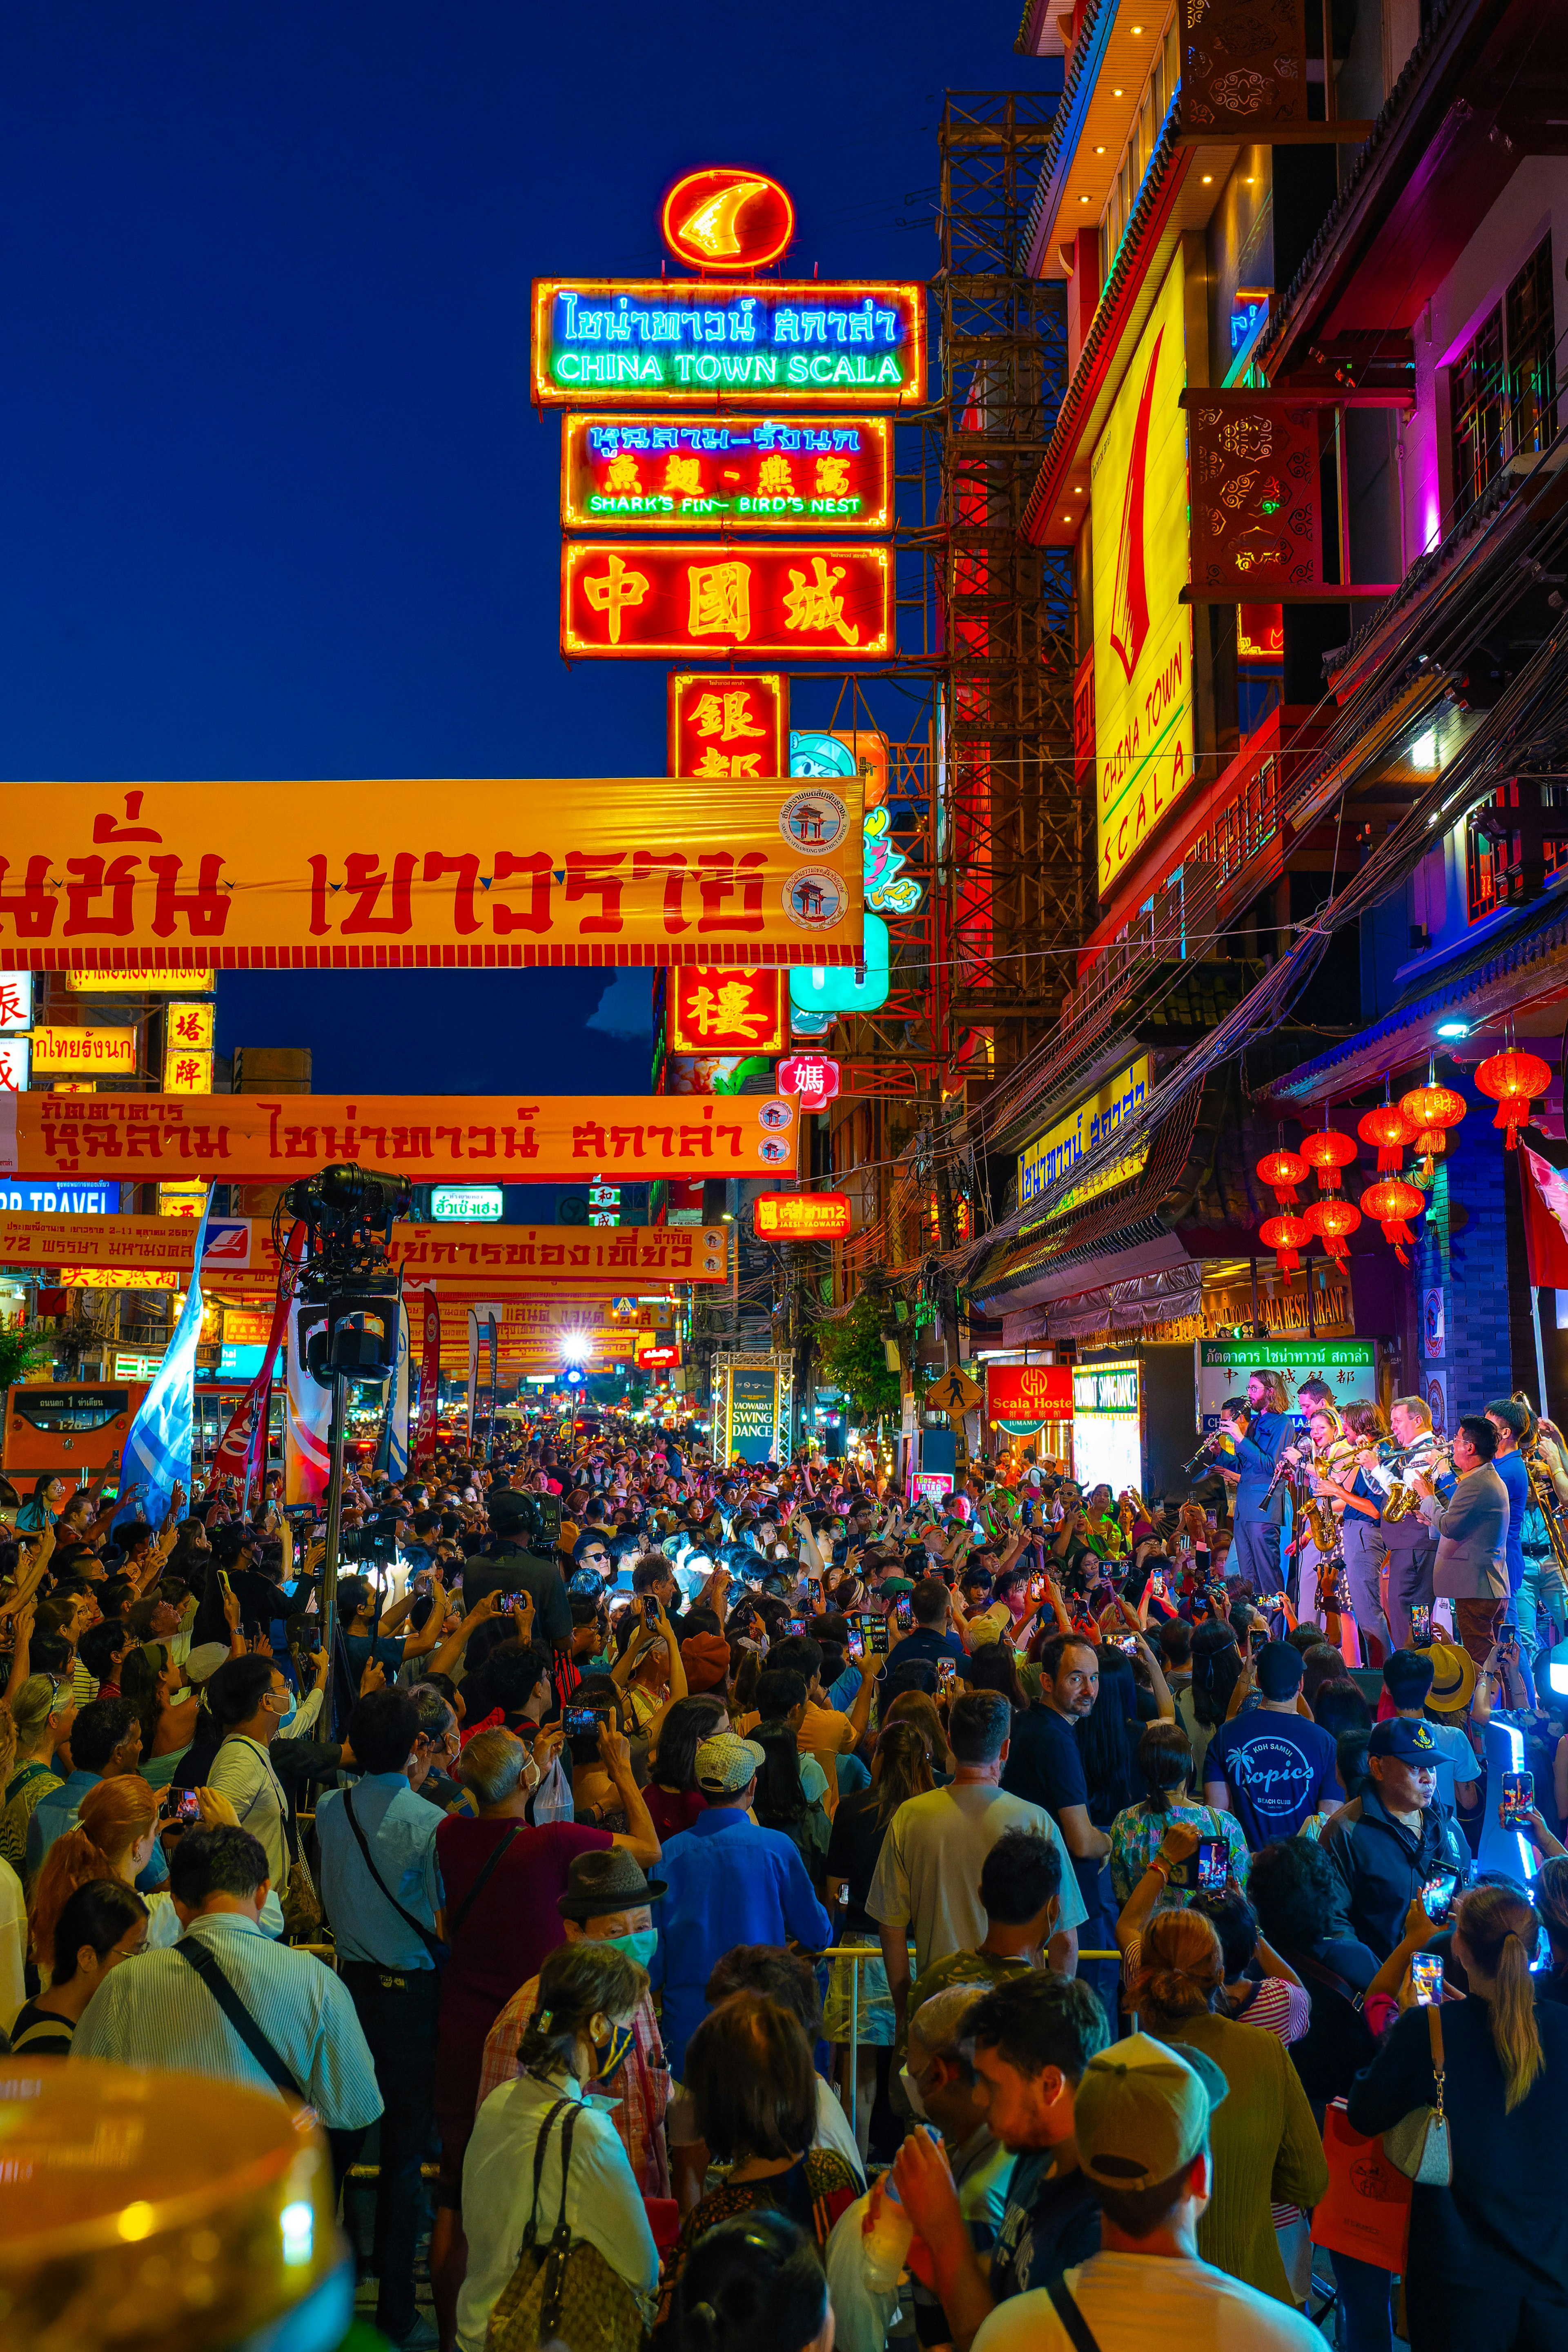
[(275, 503)]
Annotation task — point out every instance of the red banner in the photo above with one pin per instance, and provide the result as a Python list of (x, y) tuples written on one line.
[(425, 1320), (629, 599), (1028, 1392), (725, 1012), (241, 1451), (628, 473), (1545, 1192)]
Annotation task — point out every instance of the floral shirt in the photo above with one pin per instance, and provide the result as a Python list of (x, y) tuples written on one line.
[(1136, 1835)]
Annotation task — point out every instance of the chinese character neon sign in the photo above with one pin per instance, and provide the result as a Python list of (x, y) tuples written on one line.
[(815, 1080), (724, 1011), (728, 723), (633, 598), (773, 474), (658, 340), (724, 217)]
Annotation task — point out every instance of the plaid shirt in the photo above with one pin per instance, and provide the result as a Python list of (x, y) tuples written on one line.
[(643, 2086)]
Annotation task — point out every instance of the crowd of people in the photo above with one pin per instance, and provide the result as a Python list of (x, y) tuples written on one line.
[(728, 1904)]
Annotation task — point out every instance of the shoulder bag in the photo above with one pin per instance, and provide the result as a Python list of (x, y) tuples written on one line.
[(1419, 2143), (196, 1955), (1080, 2335), (432, 1943), (568, 2293), (477, 1888)]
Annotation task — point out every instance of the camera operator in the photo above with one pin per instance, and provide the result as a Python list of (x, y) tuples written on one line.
[(507, 1564)]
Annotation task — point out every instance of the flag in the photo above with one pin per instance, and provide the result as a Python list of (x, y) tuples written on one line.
[(308, 1412), (392, 1450), (157, 1451), (425, 1307), (242, 1449), (1545, 1192)]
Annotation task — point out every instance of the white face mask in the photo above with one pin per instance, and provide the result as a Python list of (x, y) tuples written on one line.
[(912, 2093)]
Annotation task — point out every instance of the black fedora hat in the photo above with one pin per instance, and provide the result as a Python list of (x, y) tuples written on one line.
[(600, 1882)]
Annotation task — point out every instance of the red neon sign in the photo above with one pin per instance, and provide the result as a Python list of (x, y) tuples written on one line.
[(724, 1012), (628, 599), (728, 723), (1028, 1392), (634, 473), (801, 1216), (725, 217), (809, 1076)]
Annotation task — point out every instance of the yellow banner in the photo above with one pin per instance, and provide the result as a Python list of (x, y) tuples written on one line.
[(84, 1049), (140, 980), (595, 1260), (1144, 740), (413, 872)]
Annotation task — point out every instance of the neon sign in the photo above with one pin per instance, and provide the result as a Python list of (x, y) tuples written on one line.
[(724, 1011), (724, 217), (630, 598), (725, 723), (831, 474), (663, 339), (801, 1216)]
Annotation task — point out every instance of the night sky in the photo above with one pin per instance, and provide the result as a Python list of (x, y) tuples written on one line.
[(275, 502)]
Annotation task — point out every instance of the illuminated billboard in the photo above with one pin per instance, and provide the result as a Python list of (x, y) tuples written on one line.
[(631, 598), (801, 1216), (1142, 634), (1062, 1146), (724, 1011), (728, 723), (725, 217), (768, 473), (764, 341)]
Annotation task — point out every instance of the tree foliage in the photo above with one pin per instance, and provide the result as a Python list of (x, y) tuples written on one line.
[(20, 1353), (850, 1356)]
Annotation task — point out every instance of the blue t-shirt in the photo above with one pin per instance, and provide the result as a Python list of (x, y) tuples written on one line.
[(1511, 1469), (1279, 1769)]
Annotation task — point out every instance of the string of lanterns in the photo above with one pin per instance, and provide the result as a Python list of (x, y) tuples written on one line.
[(1420, 1120)]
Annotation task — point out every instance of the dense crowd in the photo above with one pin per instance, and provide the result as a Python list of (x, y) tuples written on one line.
[(730, 1905)]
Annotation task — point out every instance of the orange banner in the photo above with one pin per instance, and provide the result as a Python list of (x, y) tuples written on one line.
[(251, 1139), (595, 1261), (444, 871)]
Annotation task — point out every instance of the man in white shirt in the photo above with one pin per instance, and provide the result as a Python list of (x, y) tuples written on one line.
[(1141, 2121)]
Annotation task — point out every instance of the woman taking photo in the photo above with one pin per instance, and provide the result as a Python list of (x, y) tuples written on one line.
[(116, 1830), (900, 1768), (579, 2032), (754, 2284), (1488, 2266), (1164, 1761)]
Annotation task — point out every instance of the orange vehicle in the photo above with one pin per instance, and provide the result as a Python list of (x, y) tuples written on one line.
[(75, 1428)]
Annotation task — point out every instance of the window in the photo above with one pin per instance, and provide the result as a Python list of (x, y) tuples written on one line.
[(1504, 385), (1497, 864), (1154, 103)]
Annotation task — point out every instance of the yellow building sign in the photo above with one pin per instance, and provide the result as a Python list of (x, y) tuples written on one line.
[(1142, 636), (1061, 1147), (81, 1050)]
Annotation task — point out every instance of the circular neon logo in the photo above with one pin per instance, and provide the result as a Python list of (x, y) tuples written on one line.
[(725, 217)]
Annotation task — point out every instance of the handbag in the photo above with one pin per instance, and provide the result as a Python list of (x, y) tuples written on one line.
[(1365, 2209), (1419, 2143), (567, 2294)]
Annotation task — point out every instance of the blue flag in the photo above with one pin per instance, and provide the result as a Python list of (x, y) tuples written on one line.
[(158, 1444)]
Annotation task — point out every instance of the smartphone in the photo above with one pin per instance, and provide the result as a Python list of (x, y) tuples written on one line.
[(1128, 1642), (1157, 1585), (1036, 1588), (509, 1600), (857, 1646), (650, 1609), (1214, 1863), (903, 1615), (1216, 1592), (1518, 1799), (1420, 1623), (580, 1723), (223, 1580), (1427, 1977), (878, 1639), (946, 1674), (186, 1806), (1437, 1895)]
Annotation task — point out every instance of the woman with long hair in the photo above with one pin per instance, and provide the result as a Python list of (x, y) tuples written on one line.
[(1164, 1760), (166, 1708), (1216, 1669), (1267, 2150), (920, 1708), (672, 1795), (900, 1768), (43, 1711), (1488, 2266)]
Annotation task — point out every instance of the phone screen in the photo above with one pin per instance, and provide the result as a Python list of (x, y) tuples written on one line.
[(580, 1722), (1420, 1623), (1213, 1866), (1437, 1894), (1427, 1977), (903, 1615), (794, 1624), (1518, 1799), (878, 1639)]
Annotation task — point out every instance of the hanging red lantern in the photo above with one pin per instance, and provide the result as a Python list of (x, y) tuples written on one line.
[(1327, 1151), (1431, 1110), (1391, 1204), (1282, 1170), (1332, 1221), (1510, 1079), (1287, 1236), (1388, 1128)]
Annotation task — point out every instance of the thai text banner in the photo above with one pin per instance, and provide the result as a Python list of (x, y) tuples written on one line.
[(1051, 1155), (246, 1138), (595, 1260), (779, 343), (414, 872)]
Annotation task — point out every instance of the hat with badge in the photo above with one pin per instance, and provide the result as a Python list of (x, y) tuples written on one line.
[(1412, 1741)]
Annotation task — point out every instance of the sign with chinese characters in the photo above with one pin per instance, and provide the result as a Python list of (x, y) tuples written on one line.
[(1224, 1367), (1142, 631), (724, 1012), (723, 217), (633, 598), (247, 1327), (1257, 519), (776, 342), (1063, 1145), (1028, 1392), (725, 723), (15, 1064), (411, 873), (186, 1073), (634, 473), (1244, 68), (100, 1050), (809, 1076), (16, 1001), (466, 1203), (801, 1216), (252, 1138)]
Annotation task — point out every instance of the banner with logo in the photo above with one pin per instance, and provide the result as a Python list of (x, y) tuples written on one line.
[(410, 872), (505, 1139), (399, 1391), (425, 1319), (241, 1452), (483, 1325), (308, 1414), (1028, 1393)]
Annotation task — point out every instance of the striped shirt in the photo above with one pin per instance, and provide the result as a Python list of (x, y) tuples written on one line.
[(156, 2013), (242, 1771)]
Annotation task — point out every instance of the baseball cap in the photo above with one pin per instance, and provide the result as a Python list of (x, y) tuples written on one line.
[(1412, 1742), (1141, 2111), (1279, 1670), (728, 1763), (1453, 1678), (206, 1659)]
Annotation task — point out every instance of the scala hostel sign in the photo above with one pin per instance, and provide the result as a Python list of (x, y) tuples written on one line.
[(1142, 632)]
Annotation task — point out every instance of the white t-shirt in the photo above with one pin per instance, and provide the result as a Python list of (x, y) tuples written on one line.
[(1131, 2301), (927, 1873)]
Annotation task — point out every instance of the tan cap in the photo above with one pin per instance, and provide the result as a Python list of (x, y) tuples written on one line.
[(1141, 2111)]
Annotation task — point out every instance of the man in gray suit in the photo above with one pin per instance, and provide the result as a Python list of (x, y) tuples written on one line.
[(1471, 1567)]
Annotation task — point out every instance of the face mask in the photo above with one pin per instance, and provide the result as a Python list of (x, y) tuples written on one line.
[(285, 1720), (912, 2093), (640, 1947), (617, 2051)]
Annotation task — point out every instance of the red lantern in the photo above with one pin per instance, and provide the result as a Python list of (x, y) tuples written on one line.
[(1283, 1171), (1510, 1079), (1332, 1221), (1327, 1151), (1288, 1236), (1391, 1131), (1431, 1109), (1391, 1204)]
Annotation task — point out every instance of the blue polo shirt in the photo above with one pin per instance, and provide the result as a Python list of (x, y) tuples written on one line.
[(729, 1883), (400, 1829)]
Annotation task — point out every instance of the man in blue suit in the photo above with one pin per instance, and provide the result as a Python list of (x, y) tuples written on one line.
[(1258, 1427)]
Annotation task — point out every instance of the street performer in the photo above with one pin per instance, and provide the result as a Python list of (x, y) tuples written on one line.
[(1258, 1426), (1411, 1541)]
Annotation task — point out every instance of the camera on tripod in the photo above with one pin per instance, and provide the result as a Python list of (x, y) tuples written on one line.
[(348, 1215)]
